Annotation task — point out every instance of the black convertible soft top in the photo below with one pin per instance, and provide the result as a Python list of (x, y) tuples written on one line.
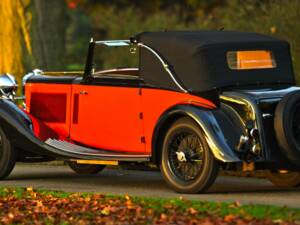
[(198, 59)]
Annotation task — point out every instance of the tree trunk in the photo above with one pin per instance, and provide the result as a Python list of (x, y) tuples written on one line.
[(13, 35), (49, 23)]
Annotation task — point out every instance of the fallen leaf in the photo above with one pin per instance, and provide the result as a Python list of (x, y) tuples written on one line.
[(29, 189), (163, 216), (105, 211), (192, 211), (229, 218)]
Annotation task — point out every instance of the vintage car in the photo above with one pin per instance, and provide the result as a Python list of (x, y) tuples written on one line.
[(198, 102)]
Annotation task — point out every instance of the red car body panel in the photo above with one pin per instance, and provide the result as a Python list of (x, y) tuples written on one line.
[(104, 117), (108, 118), (50, 106)]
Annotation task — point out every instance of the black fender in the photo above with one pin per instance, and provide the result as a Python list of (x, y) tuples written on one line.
[(18, 127), (206, 120)]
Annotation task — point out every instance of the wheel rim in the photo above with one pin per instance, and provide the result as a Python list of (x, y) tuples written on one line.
[(185, 156), (296, 124)]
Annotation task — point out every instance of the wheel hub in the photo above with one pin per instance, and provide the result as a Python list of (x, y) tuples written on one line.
[(181, 156)]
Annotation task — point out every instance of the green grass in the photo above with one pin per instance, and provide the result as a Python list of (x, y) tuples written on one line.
[(223, 208), (161, 205)]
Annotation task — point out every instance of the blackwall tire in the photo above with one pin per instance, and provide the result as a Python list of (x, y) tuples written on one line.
[(288, 179), (85, 168), (287, 126), (7, 156), (199, 171)]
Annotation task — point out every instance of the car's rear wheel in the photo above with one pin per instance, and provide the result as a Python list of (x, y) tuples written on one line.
[(284, 178), (7, 156), (85, 168), (187, 164)]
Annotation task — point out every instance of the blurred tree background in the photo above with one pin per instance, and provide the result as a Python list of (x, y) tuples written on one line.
[(14, 36), (55, 34)]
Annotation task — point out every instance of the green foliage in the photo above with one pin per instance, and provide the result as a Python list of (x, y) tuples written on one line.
[(273, 17), (121, 20), (122, 24)]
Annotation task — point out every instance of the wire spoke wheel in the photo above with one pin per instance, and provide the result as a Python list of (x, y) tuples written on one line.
[(186, 156), (85, 168), (284, 178), (187, 164)]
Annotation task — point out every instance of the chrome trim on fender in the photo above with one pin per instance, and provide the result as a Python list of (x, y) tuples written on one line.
[(214, 137), (241, 101)]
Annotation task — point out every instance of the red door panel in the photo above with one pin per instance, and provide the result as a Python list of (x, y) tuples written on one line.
[(107, 117)]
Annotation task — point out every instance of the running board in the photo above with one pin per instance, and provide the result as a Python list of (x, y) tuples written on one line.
[(81, 152)]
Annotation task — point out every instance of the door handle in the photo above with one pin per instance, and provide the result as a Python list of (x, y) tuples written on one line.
[(83, 92)]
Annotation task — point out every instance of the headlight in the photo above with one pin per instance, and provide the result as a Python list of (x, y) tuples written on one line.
[(8, 83)]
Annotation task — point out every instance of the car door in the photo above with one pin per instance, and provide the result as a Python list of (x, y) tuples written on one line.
[(106, 114)]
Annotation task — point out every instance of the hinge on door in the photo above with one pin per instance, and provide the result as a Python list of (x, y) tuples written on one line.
[(143, 139), (140, 91)]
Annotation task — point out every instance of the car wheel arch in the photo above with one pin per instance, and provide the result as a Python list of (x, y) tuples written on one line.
[(214, 135), (164, 122)]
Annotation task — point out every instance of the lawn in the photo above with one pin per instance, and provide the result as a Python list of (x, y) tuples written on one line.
[(29, 206)]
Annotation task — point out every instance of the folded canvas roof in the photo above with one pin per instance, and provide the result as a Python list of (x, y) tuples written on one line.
[(198, 59)]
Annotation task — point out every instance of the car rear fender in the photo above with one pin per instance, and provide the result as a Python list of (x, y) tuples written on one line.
[(206, 121)]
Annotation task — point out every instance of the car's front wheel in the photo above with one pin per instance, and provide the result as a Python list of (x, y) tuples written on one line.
[(85, 168), (7, 156), (187, 163), (284, 178)]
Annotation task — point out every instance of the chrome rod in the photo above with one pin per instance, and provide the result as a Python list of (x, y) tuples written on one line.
[(114, 43), (165, 65)]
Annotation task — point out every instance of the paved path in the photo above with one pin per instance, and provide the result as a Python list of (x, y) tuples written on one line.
[(141, 183)]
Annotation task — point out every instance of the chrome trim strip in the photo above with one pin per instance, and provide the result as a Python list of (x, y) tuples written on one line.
[(165, 66), (114, 43), (85, 151), (241, 101)]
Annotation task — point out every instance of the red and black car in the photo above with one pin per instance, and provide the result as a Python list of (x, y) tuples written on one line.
[(198, 102)]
